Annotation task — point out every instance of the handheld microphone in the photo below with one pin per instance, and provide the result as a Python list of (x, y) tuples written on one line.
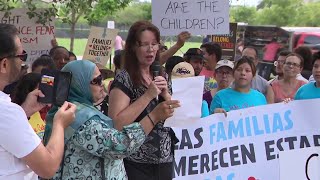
[(155, 68)]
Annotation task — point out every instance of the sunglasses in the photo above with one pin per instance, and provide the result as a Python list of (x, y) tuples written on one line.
[(23, 57), (97, 80)]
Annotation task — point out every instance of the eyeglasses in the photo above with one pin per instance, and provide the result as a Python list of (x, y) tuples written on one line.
[(97, 80), (23, 57), (276, 63), (147, 46), (227, 73), (292, 64)]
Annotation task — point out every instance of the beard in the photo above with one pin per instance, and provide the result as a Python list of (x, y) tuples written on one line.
[(14, 71)]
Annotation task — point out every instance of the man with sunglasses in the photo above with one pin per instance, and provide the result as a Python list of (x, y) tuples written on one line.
[(22, 155)]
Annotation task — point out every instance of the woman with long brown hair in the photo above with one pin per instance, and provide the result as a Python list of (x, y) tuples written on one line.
[(134, 93)]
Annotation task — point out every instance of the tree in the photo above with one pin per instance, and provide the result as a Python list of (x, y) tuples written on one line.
[(310, 15), (243, 14), (280, 13), (137, 11), (92, 10), (42, 17), (69, 10)]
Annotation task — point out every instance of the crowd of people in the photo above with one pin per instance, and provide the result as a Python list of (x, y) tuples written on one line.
[(116, 131)]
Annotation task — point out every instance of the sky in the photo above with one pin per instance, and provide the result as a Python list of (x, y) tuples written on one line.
[(234, 2)]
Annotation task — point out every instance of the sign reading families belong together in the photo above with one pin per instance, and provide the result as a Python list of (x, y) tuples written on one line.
[(100, 44), (245, 145), (196, 16), (35, 38)]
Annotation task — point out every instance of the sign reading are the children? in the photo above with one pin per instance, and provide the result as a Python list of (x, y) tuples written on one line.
[(199, 17), (35, 38), (100, 44)]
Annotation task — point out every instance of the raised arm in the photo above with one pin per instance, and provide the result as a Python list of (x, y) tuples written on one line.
[(45, 161), (181, 39)]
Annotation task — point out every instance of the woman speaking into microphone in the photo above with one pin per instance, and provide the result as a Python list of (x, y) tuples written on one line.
[(134, 93)]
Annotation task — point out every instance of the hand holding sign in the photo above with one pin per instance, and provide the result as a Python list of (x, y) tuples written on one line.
[(183, 37), (197, 17)]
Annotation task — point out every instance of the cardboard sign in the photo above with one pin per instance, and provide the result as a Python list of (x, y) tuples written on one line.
[(227, 42), (198, 17), (300, 164), (35, 38), (100, 44)]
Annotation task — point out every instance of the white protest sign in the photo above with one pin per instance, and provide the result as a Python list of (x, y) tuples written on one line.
[(199, 17), (100, 44), (111, 25), (300, 164), (246, 144), (35, 38), (189, 110)]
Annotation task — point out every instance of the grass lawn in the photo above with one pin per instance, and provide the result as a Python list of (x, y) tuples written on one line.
[(80, 45)]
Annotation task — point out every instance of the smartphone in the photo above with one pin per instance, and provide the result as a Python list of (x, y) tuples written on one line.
[(55, 85), (48, 80), (61, 91)]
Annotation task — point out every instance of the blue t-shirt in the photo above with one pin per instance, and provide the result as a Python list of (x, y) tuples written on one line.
[(308, 91), (229, 99), (204, 109)]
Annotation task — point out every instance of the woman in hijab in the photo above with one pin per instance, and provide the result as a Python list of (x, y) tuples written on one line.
[(93, 148)]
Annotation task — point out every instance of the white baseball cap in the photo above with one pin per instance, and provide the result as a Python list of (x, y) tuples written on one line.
[(226, 63)]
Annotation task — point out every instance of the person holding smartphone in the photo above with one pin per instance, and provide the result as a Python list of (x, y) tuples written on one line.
[(22, 154)]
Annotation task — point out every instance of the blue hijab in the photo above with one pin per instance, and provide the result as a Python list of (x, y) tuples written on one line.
[(79, 94)]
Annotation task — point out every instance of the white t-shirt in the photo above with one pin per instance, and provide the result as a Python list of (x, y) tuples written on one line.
[(17, 139)]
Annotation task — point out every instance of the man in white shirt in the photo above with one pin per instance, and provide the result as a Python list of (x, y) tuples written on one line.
[(22, 155)]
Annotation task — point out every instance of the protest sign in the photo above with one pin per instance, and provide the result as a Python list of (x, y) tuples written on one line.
[(100, 44), (199, 17), (300, 164), (227, 42), (245, 145), (37, 124), (35, 38)]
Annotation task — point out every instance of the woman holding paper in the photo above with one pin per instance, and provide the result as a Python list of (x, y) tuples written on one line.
[(239, 96), (135, 91)]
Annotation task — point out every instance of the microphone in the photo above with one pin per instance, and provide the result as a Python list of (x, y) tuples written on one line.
[(155, 68)]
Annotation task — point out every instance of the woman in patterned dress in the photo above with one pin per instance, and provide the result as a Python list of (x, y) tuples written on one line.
[(94, 149)]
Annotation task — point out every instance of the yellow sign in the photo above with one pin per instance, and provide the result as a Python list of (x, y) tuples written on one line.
[(37, 124)]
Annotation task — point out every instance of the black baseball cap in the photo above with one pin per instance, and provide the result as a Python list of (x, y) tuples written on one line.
[(194, 53)]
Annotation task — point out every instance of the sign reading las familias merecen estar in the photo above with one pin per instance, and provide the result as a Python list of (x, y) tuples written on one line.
[(199, 17), (246, 144), (35, 38)]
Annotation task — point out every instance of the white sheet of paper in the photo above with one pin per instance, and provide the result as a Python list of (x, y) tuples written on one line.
[(190, 109)]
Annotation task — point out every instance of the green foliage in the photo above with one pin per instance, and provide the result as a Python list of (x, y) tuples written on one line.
[(278, 12), (70, 11), (42, 16), (243, 14), (134, 12), (309, 15)]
